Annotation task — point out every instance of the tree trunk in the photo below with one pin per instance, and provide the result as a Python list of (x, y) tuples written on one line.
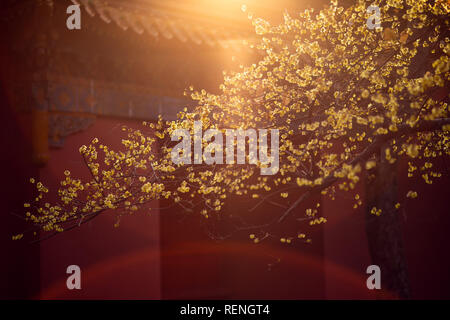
[(384, 231)]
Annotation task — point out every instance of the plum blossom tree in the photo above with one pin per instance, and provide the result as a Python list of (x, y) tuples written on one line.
[(349, 103)]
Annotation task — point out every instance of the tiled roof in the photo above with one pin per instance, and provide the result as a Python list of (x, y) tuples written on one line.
[(160, 24)]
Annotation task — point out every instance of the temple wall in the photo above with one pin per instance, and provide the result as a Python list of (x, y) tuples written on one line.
[(425, 235), (116, 263)]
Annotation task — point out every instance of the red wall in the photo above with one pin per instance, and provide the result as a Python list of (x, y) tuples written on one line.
[(19, 270), (163, 256), (425, 221), (125, 262), (116, 263)]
